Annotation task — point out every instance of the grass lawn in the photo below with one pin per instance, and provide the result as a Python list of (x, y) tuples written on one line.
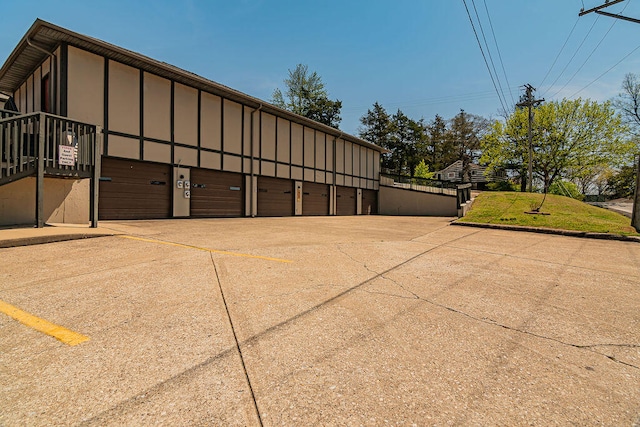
[(565, 213)]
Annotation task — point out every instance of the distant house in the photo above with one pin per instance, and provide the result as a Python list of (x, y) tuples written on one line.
[(477, 174)]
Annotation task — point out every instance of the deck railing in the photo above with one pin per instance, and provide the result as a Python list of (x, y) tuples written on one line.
[(66, 147), (8, 113), (43, 144)]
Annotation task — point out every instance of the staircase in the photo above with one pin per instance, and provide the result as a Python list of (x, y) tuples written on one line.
[(43, 144)]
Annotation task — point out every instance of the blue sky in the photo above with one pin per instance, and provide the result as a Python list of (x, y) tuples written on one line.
[(420, 56)]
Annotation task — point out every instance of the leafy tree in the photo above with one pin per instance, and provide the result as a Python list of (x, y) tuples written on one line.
[(404, 138), (402, 147), (505, 147), (566, 188), (377, 128), (422, 171), (568, 136), (437, 137), (623, 182), (464, 138), (306, 95)]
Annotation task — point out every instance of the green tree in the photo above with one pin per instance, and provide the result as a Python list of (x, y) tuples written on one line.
[(464, 136), (377, 128), (566, 188), (409, 142), (568, 136), (504, 147), (437, 137), (622, 183), (422, 171), (306, 95)]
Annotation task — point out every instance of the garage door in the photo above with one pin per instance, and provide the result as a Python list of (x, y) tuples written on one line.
[(315, 199), (216, 193), (346, 201), (275, 196), (369, 202), (131, 189)]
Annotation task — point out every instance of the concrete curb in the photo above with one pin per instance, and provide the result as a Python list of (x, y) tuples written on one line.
[(542, 230), (39, 240)]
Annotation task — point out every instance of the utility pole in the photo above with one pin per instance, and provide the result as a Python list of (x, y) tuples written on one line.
[(527, 100), (635, 215)]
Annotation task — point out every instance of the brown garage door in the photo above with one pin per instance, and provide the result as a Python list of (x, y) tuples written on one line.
[(275, 196), (315, 199), (369, 202), (131, 189), (346, 200), (216, 193)]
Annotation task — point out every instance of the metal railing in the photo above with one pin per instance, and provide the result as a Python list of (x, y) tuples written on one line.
[(462, 192), (419, 184), (62, 147)]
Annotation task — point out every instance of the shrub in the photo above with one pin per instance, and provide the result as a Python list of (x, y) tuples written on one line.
[(566, 188), (502, 186)]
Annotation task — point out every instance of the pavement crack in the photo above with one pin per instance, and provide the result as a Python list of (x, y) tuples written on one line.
[(287, 294), (426, 234), (363, 263), (526, 258), (610, 345), (235, 337), (492, 322), (378, 274)]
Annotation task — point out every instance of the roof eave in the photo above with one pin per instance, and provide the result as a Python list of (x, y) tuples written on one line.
[(151, 65)]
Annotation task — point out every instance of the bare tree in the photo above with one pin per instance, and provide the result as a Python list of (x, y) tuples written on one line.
[(628, 101)]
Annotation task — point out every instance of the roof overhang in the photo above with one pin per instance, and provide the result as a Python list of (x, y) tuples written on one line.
[(45, 37)]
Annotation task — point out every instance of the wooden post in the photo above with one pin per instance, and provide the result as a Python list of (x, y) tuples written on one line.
[(40, 173), (635, 215), (95, 178)]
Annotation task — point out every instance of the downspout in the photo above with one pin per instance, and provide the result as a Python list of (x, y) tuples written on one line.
[(251, 202), (54, 65), (333, 201)]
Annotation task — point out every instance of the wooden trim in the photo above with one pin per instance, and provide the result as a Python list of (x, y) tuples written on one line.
[(106, 104), (199, 142), (141, 101), (64, 79), (172, 105)]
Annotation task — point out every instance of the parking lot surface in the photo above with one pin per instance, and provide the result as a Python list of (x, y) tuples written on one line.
[(321, 321)]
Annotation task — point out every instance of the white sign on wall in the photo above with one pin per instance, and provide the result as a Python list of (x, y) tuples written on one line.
[(66, 155)]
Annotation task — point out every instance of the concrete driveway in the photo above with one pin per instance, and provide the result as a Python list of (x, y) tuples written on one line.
[(321, 321)]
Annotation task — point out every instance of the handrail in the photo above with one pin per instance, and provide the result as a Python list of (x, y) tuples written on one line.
[(68, 147), (7, 113), (37, 113)]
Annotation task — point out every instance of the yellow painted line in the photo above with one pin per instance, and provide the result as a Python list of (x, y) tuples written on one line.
[(58, 332), (215, 251)]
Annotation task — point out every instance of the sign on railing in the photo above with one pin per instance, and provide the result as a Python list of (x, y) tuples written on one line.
[(67, 146)]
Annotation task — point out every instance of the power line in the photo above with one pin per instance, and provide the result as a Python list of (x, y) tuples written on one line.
[(493, 65), (558, 55), (436, 100), (590, 55), (495, 40), (606, 72), (572, 57), (483, 55)]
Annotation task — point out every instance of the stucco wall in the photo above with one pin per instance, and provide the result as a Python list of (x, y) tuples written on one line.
[(85, 90), (399, 201), (153, 118), (65, 201)]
